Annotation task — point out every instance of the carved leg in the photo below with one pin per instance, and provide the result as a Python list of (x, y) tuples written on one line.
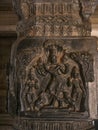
[(78, 101)]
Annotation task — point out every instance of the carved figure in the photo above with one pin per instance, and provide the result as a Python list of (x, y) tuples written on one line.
[(30, 92), (77, 88), (58, 84)]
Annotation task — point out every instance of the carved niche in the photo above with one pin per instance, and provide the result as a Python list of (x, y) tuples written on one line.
[(51, 77)]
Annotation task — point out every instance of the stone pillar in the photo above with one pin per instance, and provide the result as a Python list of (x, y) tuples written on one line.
[(52, 74)]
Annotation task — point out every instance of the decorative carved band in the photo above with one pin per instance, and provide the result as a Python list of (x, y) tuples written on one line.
[(27, 124), (72, 17)]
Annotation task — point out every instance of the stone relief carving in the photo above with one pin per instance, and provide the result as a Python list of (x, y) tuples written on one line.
[(53, 78), (74, 14)]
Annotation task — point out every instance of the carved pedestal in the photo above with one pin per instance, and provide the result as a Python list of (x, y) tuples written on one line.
[(52, 79)]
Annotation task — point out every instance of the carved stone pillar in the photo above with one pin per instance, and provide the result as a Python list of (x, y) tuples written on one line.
[(53, 73)]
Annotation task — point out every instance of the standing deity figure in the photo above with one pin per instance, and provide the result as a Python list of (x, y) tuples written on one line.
[(78, 90), (30, 92), (57, 85)]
